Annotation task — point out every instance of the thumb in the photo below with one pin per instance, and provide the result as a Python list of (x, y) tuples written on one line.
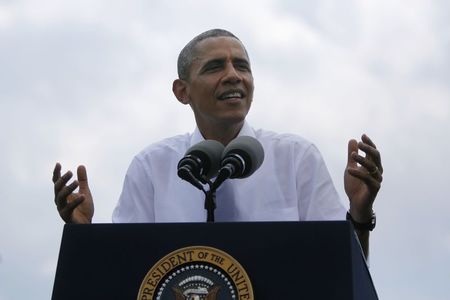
[(82, 177), (352, 147)]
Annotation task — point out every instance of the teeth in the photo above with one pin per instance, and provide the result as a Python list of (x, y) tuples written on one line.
[(232, 95)]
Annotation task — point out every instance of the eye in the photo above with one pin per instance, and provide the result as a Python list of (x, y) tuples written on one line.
[(212, 67), (243, 67)]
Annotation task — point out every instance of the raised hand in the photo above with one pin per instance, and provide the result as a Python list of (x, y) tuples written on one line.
[(363, 177), (73, 207)]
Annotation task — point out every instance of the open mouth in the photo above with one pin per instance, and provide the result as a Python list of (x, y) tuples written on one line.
[(232, 94)]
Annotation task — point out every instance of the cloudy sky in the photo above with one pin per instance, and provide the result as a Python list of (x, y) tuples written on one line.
[(90, 82)]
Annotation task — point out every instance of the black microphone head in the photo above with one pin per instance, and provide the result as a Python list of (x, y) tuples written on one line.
[(247, 148), (203, 158)]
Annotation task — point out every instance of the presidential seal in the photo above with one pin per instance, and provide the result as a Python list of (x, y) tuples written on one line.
[(196, 273)]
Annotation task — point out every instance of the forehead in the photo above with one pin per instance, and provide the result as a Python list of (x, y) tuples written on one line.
[(219, 47)]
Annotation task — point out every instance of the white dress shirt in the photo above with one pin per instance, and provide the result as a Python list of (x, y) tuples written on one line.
[(292, 184)]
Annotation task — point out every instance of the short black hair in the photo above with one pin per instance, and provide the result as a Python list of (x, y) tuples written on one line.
[(187, 54)]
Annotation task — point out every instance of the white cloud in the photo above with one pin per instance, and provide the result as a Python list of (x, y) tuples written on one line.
[(6, 17)]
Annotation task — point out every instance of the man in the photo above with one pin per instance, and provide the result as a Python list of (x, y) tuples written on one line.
[(215, 79)]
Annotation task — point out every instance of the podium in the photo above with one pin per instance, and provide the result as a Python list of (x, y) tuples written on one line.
[(283, 260)]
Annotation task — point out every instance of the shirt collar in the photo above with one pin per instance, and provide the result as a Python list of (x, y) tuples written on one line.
[(246, 130)]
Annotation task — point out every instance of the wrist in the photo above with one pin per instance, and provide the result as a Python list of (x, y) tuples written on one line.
[(361, 214), (368, 224)]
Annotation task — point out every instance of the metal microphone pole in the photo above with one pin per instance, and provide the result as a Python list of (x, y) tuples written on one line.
[(210, 204)]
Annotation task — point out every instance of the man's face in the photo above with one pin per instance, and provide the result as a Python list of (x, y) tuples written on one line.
[(220, 86)]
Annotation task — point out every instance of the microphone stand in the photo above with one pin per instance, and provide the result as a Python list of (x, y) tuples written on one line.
[(210, 204), (210, 200), (210, 195)]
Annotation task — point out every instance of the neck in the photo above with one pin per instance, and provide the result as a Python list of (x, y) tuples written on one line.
[(223, 133)]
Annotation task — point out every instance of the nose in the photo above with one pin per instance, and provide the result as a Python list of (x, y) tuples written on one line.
[(231, 76)]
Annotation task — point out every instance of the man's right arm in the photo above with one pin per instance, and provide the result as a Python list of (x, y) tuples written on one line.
[(73, 207)]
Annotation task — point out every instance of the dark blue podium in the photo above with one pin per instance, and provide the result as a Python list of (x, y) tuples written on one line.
[(284, 260)]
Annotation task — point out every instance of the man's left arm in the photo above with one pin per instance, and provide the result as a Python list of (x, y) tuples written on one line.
[(362, 181)]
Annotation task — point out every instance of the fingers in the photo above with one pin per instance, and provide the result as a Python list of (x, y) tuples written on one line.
[(82, 177), (372, 160), (371, 181), (370, 168), (366, 139), (56, 172), (66, 199), (367, 168), (62, 181), (352, 148), (372, 154), (67, 211), (64, 205), (63, 193)]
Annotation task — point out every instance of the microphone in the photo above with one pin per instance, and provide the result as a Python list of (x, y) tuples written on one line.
[(201, 162), (240, 159)]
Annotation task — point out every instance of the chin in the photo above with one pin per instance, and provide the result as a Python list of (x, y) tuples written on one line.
[(234, 119)]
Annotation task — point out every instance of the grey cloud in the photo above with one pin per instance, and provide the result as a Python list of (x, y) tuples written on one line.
[(91, 83)]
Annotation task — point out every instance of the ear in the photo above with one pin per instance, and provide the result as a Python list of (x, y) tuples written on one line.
[(180, 90)]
